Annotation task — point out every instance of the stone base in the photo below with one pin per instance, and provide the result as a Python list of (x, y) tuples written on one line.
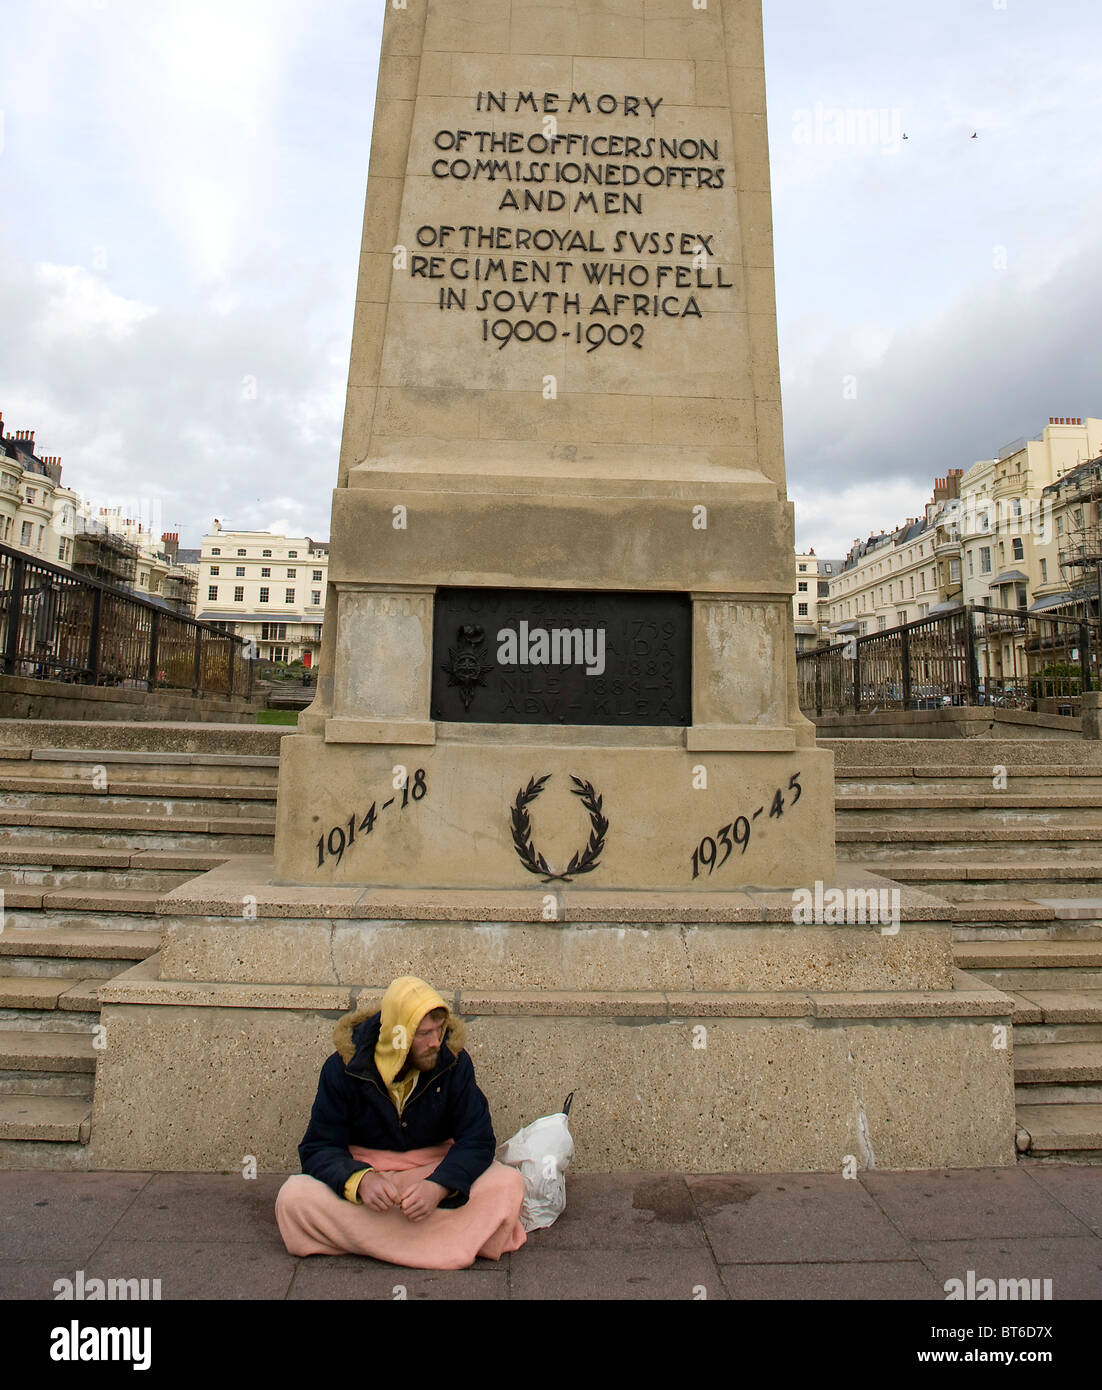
[(195, 1077), (767, 815), (710, 1032)]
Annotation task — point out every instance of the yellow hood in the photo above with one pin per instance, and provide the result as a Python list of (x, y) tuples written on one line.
[(405, 1004)]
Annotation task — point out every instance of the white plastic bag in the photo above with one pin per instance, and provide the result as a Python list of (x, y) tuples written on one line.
[(542, 1151)]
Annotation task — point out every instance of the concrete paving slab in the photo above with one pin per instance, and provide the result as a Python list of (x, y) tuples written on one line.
[(334, 1277), (625, 1211), (215, 1207), (599, 1275), (795, 1218), (857, 1282), (1074, 1264), (191, 1269), (965, 1204), (1066, 1184), (48, 1214)]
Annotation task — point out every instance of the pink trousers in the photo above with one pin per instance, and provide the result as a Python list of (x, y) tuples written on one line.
[(313, 1220)]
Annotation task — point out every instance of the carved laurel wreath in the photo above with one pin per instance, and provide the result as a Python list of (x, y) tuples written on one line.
[(581, 863)]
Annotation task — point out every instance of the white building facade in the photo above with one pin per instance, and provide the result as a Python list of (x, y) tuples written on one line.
[(267, 588)]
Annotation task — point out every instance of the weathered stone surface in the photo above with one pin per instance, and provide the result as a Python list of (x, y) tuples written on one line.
[(749, 1095)]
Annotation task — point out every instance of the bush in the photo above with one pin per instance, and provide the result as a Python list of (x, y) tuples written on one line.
[(1058, 678)]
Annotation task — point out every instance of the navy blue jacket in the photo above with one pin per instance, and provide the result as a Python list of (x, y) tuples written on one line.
[(354, 1107)]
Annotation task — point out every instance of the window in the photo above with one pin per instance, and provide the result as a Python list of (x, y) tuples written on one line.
[(881, 623), (971, 566), (802, 586), (824, 589), (216, 550), (316, 598), (292, 554), (954, 571), (1019, 550), (803, 610), (7, 529), (1002, 553), (264, 593), (1023, 602), (803, 570), (240, 571), (1044, 571), (240, 552), (239, 594), (41, 533), (273, 632), (215, 569), (985, 559), (288, 596), (1059, 525), (31, 495), (25, 534), (317, 576), (212, 593), (266, 554), (265, 571), (901, 617), (292, 574)]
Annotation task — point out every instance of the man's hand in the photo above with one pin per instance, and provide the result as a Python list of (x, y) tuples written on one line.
[(419, 1201), (377, 1192)]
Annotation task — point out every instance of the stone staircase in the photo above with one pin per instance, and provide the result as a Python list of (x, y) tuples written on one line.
[(1010, 833), (90, 838)]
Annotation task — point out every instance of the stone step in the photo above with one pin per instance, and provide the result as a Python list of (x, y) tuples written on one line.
[(1062, 1128), (36, 1050), (78, 831), (965, 879), (79, 955), (155, 737), (34, 868), (57, 994), (66, 766), (1036, 1093), (1025, 982), (964, 813), (943, 839), (1057, 1063), (86, 801), (991, 955), (123, 820), (35, 1083), (1061, 1007), (65, 1119)]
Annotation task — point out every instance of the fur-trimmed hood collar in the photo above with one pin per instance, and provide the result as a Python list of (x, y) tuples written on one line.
[(358, 1031)]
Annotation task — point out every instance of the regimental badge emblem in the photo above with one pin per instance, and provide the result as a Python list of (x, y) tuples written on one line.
[(467, 666)]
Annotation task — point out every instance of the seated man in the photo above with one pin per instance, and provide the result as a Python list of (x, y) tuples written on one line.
[(398, 1160)]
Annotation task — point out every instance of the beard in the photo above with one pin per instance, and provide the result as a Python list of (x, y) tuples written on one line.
[(426, 1062)]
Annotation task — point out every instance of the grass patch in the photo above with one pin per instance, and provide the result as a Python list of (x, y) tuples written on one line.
[(277, 716)]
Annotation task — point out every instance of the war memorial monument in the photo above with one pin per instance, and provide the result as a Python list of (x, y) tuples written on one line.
[(556, 764)]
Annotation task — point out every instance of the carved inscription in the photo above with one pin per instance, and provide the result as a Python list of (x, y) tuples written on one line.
[(595, 286)]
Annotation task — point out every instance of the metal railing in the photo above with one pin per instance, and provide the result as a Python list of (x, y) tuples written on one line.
[(967, 656), (56, 625)]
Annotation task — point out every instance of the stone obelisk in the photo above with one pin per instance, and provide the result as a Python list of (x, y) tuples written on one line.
[(555, 765), (558, 619)]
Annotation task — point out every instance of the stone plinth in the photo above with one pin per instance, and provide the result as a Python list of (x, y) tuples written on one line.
[(701, 1032)]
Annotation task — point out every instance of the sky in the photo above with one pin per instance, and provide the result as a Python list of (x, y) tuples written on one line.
[(182, 189)]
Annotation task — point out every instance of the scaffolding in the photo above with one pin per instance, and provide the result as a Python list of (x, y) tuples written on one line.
[(100, 554), (1080, 546)]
